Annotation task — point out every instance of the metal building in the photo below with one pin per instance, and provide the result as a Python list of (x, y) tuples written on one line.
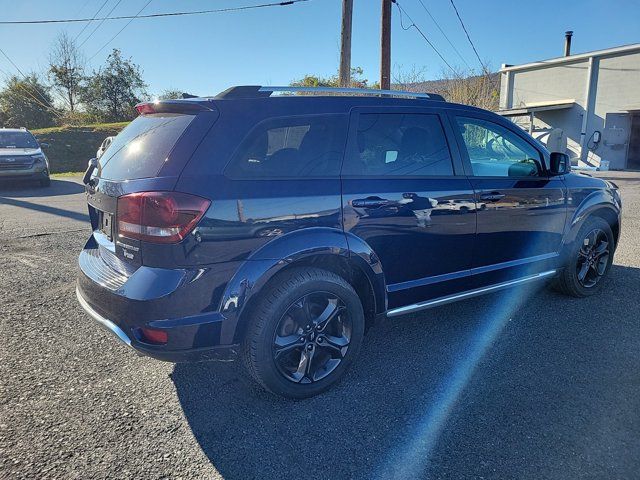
[(586, 104)]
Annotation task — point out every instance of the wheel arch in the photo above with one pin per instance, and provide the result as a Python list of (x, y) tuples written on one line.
[(611, 218), (324, 248), (601, 203)]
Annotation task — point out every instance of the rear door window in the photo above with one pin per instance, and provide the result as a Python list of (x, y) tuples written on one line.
[(141, 149), (398, 144), (292, 147)]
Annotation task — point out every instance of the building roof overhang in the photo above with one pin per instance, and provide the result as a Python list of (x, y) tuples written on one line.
[(529, 108), (622, 50)]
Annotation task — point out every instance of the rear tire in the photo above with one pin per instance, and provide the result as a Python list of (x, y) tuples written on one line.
[(304, 333), (589, 259)]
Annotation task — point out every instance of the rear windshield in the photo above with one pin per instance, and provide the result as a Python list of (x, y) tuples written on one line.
[(17, 140), (139, 151)]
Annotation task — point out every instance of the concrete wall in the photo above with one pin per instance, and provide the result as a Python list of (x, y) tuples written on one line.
[(618, 83), (559, 82), (570, 120), (615, 86)]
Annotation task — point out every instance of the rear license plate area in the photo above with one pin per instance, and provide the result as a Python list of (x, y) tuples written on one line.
[(106, 224)]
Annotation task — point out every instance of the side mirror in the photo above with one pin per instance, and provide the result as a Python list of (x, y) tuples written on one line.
[(44, 145), (560, 163)]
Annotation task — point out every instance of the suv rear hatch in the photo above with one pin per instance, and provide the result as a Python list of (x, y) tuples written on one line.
[(130, 193)]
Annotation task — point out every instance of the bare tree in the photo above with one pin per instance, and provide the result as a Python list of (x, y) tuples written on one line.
[(411, 79), (66, 69), (477, 88)]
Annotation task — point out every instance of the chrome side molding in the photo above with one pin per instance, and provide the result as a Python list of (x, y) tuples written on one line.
[(108, 324), (394, 312)]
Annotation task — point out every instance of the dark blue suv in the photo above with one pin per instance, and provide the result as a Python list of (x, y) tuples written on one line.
[(279, 227)]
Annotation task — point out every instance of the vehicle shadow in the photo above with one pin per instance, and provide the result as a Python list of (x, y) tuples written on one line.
[(423, 395), (415, 364), (26, 189), (61, 212)]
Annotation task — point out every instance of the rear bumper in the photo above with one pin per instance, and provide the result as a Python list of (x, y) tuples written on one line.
[(178, 302), (103, 322)]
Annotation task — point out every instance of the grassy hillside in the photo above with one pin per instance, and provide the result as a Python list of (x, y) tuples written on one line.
[(71, 147)]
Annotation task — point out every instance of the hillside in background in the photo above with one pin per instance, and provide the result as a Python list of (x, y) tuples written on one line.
[(478, 90), (71, 147)]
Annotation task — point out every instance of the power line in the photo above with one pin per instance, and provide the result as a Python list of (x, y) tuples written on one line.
[(443, 33), (48, 107), (468, 37), (155, 15), (83, 5), (413, 24), (51, 108), (120, 31), (12, 62), (31, 97), (48, 104), (90, 20), (100, 24), (21, 73)]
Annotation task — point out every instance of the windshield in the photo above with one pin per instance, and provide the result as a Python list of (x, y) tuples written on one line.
[(140, 150), (17, 140)]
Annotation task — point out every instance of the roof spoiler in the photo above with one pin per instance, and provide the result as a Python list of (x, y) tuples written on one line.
[(175, 106)]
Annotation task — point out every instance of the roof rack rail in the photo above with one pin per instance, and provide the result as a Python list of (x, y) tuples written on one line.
[(255, 91), (353, 91)]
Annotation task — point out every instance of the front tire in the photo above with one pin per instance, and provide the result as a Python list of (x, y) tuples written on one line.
[(304, 333), (45, 182), (588, 260)]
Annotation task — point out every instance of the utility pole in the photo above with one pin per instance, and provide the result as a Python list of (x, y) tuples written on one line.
[(345, 44), (385, 46)]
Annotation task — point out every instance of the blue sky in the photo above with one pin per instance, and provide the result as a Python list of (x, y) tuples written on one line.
[(206, 54)]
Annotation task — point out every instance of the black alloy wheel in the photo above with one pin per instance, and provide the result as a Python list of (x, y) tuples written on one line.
[(304, 332), (593, 258), (588, 259), (312, 337)]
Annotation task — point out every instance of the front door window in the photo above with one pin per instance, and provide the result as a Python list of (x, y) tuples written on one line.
[(495, 151)]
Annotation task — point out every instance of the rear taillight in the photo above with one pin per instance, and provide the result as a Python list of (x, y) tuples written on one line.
[(159, 217)]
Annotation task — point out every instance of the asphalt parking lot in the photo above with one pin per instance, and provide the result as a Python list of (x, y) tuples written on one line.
[(505, 386)]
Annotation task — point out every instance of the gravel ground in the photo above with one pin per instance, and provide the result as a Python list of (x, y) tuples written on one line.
[(504, 386)]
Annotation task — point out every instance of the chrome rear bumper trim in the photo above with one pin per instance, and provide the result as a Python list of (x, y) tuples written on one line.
[(394, 312), (108, 324)]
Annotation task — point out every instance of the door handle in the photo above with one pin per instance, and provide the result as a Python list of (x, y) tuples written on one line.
[(492, 197), (369, 202)]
